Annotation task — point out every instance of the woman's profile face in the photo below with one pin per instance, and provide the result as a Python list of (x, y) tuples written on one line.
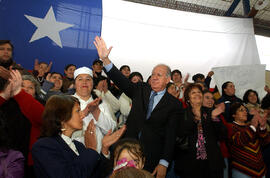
[(75, 122), (125, 154)]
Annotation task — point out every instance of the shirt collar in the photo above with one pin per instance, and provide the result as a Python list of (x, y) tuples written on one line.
[(238, 123), (160, 92), (81, 100), (66, 139)]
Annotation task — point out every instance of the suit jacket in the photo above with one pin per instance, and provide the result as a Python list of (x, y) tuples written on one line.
[(157, 132), (54, 158), (213, 131)]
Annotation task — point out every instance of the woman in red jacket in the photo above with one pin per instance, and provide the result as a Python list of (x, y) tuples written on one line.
[(24, 117)]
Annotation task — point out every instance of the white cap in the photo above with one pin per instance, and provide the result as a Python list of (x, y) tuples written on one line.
[(83, 70)]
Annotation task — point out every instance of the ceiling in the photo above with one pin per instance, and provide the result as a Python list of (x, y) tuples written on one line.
[(233, 8)]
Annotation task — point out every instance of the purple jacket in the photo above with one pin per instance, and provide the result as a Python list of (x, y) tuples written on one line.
[(11, 164)]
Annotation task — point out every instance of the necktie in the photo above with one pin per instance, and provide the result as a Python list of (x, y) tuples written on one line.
[(150, 105)]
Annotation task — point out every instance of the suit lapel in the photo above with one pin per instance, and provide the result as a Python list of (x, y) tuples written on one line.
[(162, 102), (146, 100), (64, 145)]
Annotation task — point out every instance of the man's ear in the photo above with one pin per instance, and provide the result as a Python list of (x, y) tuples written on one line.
[(168, 80)]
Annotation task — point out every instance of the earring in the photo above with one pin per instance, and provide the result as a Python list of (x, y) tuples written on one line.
[(63, 130)]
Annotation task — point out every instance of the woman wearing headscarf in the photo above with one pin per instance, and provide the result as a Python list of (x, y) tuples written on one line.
[(92, 106)]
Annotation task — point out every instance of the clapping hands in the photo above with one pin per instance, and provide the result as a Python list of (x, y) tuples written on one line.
[(14, 84)]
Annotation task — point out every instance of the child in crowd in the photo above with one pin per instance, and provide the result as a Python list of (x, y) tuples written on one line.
[(128, 153)]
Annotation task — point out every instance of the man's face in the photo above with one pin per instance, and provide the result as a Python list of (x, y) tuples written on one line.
[(159, 78), (5, 52)]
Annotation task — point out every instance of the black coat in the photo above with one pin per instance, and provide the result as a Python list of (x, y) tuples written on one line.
[(185, 160), (158, 132), (54, 158)]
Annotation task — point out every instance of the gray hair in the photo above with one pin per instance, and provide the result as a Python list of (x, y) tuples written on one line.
[(34, 81), (168, 69)]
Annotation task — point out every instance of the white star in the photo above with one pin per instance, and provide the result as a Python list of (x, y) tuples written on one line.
[(48, 27)]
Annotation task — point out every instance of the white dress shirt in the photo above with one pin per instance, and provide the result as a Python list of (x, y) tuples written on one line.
[(103, 125), (70, 143)]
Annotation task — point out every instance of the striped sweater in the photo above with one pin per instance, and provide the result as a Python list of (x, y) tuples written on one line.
[(246, 150)]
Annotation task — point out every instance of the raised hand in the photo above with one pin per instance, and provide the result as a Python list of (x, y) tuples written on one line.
[(255, 120), (49, 67), (90, 136), (7, 92), (16, 80), (100, 86), (262, 120), (103, 51), (4, 73), (110, 138), (186, 78), (93, 106), (220, 108), (48, 77)]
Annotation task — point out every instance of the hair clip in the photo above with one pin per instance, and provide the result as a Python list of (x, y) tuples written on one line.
[(124, 163)]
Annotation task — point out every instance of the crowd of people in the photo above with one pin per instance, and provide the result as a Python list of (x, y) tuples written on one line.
[(108, 122)]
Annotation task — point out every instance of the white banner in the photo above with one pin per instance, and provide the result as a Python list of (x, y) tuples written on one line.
[(143, 36), (244, 77)]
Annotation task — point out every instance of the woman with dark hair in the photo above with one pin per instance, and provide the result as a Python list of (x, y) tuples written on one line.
[(11, 161), (177, 77), (136, 77), (125, 70), (53, 85), (208, 102), (265, 105), (246, 142), (55, 154), (252, 101), (68, 79), (228, 97), (172, 89), (197, 151)]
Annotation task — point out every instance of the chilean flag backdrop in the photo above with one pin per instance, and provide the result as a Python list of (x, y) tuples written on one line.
[(61, 31), (142, 36)]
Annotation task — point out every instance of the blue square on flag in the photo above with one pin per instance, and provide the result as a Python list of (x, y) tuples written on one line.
[(52, 30)]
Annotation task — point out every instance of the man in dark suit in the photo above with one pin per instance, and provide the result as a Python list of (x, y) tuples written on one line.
[(153, 114)]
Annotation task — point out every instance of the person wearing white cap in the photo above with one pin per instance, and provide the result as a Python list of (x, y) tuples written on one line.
[(91, 107)]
